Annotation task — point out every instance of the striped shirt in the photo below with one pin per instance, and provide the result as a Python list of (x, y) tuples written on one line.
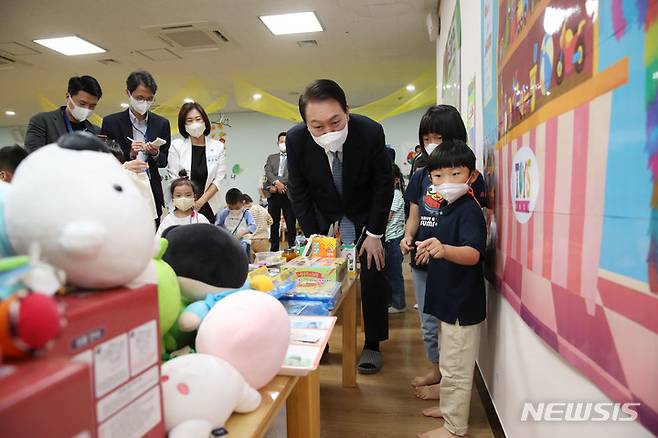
[(263, 221), (395, 227)]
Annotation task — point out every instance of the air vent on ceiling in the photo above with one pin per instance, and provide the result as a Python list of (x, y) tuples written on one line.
[(109, 61), (7, 63), (158, 54), (17, 49), (190, 36), (307, 43)]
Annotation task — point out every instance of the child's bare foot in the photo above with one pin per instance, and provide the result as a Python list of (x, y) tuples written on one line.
[(430, 392), (439, 433), (434, 412), (431, 378)]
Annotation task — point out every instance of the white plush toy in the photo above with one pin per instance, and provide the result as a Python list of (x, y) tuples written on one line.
[(200, 392), (84, 213)]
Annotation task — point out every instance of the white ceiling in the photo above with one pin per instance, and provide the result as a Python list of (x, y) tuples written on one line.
[(371, 47)]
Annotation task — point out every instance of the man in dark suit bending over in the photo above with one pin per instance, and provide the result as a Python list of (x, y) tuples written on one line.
[(339, 173), (136, 128)]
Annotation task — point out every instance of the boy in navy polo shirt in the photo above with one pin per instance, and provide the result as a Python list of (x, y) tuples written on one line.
[(455, 283), (439, 123)]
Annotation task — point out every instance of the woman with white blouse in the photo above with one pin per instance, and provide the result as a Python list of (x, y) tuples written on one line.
[(202, 157)]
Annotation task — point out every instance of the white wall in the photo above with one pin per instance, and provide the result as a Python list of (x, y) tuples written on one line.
[(516, 364), (12, 135)]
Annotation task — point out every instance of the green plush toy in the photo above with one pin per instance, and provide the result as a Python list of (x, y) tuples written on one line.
[(169, 296)]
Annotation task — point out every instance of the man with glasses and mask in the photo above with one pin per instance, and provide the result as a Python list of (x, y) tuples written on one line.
[(340, 173), (136, 130), (82, 96)]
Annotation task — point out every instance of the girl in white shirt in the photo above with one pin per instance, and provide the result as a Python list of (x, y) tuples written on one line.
[(184, 193)]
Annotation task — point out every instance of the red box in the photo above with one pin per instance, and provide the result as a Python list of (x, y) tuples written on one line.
[(42, 398), (116, 332)]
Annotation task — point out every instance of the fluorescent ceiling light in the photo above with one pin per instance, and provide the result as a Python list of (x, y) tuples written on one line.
[(257, 96), (188, 100), (285, 24), (124, 105), (70, 45), (411, 87), (10, 113)]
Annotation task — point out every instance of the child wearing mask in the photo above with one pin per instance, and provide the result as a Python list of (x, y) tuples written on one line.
[(439, 124), (453, 249), (394, 234), (10, 158), (236, 219), (183, 194), (260, 240)]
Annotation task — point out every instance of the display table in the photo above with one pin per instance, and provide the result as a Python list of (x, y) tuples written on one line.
[(346, 310), (302, 394)]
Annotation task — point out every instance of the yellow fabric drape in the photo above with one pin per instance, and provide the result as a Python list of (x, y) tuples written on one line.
[(398, 102), (402, 100), (266, 104)]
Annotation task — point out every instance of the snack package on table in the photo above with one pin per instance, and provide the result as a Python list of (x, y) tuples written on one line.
[(320, 246), (328, 292), (349, 253), (270, 258), (333, 269), (276, 281)]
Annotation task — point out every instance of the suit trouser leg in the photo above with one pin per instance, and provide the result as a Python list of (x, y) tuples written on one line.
[(274, 208), (158, 197), (291, 221), (375, 291)]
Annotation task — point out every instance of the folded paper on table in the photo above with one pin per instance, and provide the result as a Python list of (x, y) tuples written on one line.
[(308, 339)]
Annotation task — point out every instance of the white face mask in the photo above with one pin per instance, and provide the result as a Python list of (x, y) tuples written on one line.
[(141, 107), (451, 191), (184, 204), (79, 113), (282, 148), (430, 148), (332, 141), (195, 129)]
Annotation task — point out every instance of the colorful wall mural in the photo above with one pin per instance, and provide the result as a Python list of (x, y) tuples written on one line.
[(570, 119)]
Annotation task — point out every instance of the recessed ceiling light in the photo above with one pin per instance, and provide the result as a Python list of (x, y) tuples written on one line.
[(285, 24), (411, 87), (10, 113), (124, 105), (70, 45), (188, 100), (257, 96)]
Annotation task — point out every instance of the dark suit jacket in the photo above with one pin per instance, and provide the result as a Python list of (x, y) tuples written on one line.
[(272, 173), (48, 127), (367, 179), (118, 127)]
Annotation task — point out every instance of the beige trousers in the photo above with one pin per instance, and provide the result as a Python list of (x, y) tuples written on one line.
[(459, 349), (259, 245)]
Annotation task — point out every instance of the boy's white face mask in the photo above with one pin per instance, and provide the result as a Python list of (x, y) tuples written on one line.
[(451, 191)]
